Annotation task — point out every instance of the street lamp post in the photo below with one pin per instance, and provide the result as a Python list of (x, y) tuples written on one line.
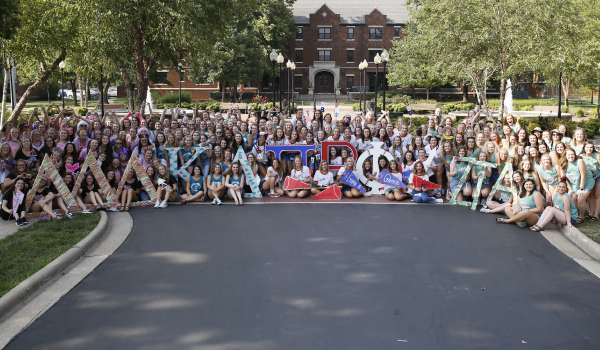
[(377, 61), (280, 60), (293, 68), (273, 58), (385, 56), (366, 85), (101, 93), (360, 83), (62, 65), (561, 57), (289, 66), (180, 70)]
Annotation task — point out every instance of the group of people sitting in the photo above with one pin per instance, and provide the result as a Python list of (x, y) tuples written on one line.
[(553, 173)]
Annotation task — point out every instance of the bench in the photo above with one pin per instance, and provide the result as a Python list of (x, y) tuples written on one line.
[(242, 106), (423, 107), (110, 106)]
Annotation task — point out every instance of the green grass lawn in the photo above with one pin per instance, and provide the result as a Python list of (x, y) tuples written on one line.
[(31, 248), (591, 229)]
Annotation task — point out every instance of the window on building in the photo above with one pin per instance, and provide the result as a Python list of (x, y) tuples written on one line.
[(298, 55), (350, 33), (349, 82), (298, 33), (162, 78), (324, 55), (375, 33), (324, 32), (396, 32), (373, 53), (251, 84), (298, 82), (349, 55)]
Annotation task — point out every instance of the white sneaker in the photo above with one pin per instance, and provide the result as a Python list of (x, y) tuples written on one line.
[(163, 204), (69, 214), (439, 200), (112, 209), (485, 210), (86, 211), (214, 201), (157, 205), (219, 201)]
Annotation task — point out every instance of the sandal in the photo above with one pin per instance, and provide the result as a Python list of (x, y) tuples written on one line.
[(536, 228), (97, 207), (593, 219), (182, 201), (587, 217), (58, 217), (579, 221), (120, 207), (501, 220), (126, 208)]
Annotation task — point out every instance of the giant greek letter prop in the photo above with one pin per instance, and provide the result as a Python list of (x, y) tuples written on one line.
[(303, 149), (508, 169), (48, 168), (481, 177), (135, 165), (325, 152), (376, 151), (182, 171), (240, 156)]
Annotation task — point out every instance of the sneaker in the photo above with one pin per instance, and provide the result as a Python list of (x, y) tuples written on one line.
[(18, 223), (157, 205), (112, 209), (214, 201), (439, 200), (219, 201), (438, 193), (69, 214), (522, 224), (274, 195), (24, 222), (86, 211), (163, 204), (485, 210)]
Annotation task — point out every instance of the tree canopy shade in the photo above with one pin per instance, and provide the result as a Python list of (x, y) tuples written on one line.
[(144, 35), (241, 54), (477, 40), (9, 13), (45, 34)]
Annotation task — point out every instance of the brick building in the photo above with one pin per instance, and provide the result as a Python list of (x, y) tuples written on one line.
[(332, 39)]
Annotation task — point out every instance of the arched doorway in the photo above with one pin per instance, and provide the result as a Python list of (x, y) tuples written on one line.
[(324, 83)]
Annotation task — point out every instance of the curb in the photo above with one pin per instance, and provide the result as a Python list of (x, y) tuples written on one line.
[(26, 288), (584, 243)]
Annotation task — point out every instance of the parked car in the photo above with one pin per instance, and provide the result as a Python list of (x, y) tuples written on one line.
[(68, 93), (112, 91)]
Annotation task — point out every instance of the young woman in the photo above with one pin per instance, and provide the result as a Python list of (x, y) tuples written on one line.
[(235, 183), (130, 192), (502, 199), (395, 193), (301, 173), (396, 149), (433, 151), (528, 209), (580, 181), (322, 178), (167, 191), (592, 162), (579, 140), (273, 179), (196, 184), (409, 161), (558, 154), (419, 194), (347, 191), (564, 209), (7, 163), (27, 153), (7, 211), (90, 191), (260, 154), (215, 184), (482, 171), (529, 172), (456, 172)]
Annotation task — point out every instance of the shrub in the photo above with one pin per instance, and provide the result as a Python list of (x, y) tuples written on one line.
[(579, 113), (451, 107), (172, 99), (81, 110), (53, 111)]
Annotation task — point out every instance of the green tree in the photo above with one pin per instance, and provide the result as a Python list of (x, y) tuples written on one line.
[(45, 35), (242, 53), (9, 18)]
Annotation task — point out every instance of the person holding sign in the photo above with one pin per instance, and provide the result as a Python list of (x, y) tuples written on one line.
[(420, 194), (564, 209), (393, 193), (457, 170), (486, 172), (348, 191), (301, 173), (13, 203), (323, 178)]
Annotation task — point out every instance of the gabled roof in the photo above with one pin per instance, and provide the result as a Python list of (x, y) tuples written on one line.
[(352, 11)]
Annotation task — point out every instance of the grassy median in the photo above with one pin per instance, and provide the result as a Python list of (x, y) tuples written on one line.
[(591, 229), (31, 248)]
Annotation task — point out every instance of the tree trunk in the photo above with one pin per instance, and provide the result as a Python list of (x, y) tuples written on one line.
[(128, 84), (4, 87), (87, 91), (223, 93), (33, 88), (566, 86), (502, 96), (74, 90), (414, 94), (48, 91), (105, 92), (80, 87), (465, 91), (427, 93)]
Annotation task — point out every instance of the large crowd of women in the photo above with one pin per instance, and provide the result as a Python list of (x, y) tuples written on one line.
[(555, 178)]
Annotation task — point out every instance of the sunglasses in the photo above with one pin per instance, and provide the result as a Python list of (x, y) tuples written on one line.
[(555, 134)]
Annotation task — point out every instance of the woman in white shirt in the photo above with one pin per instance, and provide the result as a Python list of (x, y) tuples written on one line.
[(323, 178), (433, 150), (273, 179), (348, 191), (301, 173)]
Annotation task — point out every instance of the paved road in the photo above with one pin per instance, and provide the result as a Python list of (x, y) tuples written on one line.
[(329, 276)]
